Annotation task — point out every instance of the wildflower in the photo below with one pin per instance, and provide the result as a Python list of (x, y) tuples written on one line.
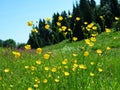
[(107, 30), (32, 68), (116, 18), (57, 80), (65, 61), (37, 80), (29, 23), (101, 17), (27, 47), (77, 18), (16, 54), (30, 88), (99, 51), (82, 66), (47, 19), (92, 63), (46, 68), (47, 26), (58, 23), (70, 16), (63, 28), (26, 67), (34, 31), (66, 73), (100, 69), (39, 50), (94, 28), (74, 54), (87, 41), (93, 35), (11, 85), (92, 74), (74, 38), (45, 81), (108, 48), (53, 70), (38, 62), (91, 44), (46, 56), (90, 25), (35, 85), (86, 53), (93, 39), (85, 23), (6, 70), (69, 30), (60, 18)]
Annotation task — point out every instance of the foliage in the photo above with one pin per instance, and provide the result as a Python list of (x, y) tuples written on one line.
[(10, 43)]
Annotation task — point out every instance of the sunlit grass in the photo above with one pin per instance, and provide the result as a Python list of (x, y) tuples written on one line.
[(64, 66)]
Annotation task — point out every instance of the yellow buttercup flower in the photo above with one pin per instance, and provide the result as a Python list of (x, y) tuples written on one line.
[(47, 26), (82, 66), (74, 38), (85, 23), (38, 62), (92, 63), (36, 85), (58, 23), (60, 18), (94, 28), (100, 69), (34, 31), (87, 41), (6, 70), (70, 16), (107, 30), (46, 56), (45, 81), (74, 54), (86, 53), (92, 74), (99, 51), (93, 39), (47, 19), (32, 68), (77, 18), (54, 70), (29, 23), (27, 47), (57, 80), (63, 28), (37, 80), (65, 61), (39, 50), (46, 68), (16, 54), (30, 88), (117, 18), (26, 67), (108, 48), (66, 73)]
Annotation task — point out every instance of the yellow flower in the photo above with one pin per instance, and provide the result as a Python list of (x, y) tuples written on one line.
[(34, 31), (39, 50), (38, 62), (107, 30), (57, 80), (47, 26), (35, 85), (70, 16), (65, 61), (37, 80), (29, 23), (6, 70), (90, 25), (91, 44), (82, 66), (66, 73), (46, 68), (77, 18), (74, 38), (92, 63), (100, 69), (87, 41), (99, 51), (92, 74), (63, 28), (86, 53), (117, 18), (26, 67), (28, 47), (108, 48), (60, 18), (32, 68), (93, 39), (101, 17), (30, 88), (94, 28), (85, 23), (47, 19), (46, 56), (58, 23), (74, 54), (45, 81), (16, 54), (93, 35), (54, 70)]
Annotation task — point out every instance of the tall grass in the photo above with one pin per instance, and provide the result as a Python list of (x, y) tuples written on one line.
[(64, 66)]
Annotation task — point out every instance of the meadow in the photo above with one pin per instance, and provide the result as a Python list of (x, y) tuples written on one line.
[(64, 66)]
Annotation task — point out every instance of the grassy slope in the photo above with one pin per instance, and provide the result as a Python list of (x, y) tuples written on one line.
[(21, 78)]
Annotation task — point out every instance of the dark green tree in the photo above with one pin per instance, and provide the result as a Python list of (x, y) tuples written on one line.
[(1, 43), (10, 43)]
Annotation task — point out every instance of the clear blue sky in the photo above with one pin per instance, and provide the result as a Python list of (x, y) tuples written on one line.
[(14, 14)]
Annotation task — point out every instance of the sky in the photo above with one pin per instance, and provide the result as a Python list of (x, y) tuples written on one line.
[(16, 13)]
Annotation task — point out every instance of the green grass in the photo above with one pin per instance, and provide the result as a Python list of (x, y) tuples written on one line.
[(21, 78)]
